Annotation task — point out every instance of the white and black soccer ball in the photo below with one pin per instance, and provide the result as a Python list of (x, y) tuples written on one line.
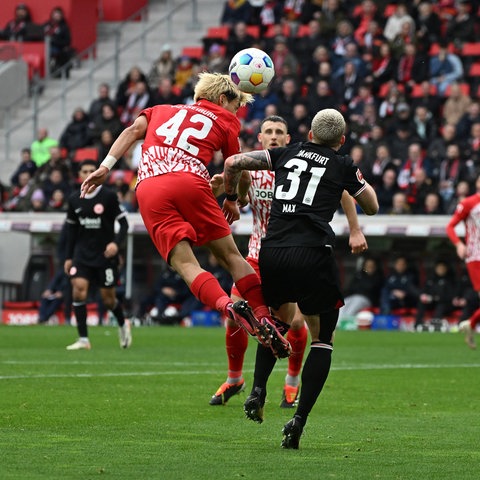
[(251, 70)]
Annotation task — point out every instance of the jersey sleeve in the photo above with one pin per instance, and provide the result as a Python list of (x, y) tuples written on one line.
[(147, 112), (231, 144), (72, 218), (460, 215), (273, 155), (353, 178)]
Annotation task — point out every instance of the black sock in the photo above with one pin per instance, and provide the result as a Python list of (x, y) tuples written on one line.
[(119, 315), (264, 363), (314, 374), (80, 310)]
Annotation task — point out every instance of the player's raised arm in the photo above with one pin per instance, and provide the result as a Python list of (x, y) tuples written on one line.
[(122, 144)]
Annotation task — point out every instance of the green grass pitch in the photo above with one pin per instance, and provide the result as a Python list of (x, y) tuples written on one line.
[(397, 405)]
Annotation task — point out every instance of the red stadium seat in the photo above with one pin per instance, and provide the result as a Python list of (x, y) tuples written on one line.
[(464, 87), (470, 49), (254, 31), (435, 47), (195, 53), (86, 153), (221, 33), (387, 86), (303, 31), (474, 70), (418, 92), (389, 10), (34, 63), (272, 31)]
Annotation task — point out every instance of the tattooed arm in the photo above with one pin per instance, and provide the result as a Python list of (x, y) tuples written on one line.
[(232, 172)]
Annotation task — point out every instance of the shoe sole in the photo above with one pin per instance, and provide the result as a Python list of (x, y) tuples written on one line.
[(280, 346), (244, 317), (78, 348), (266, 333), (253, 411)]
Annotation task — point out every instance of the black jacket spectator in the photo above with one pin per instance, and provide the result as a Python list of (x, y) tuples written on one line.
[(401, 287), (17, 28), (461, 27), (428, 25), (126, 86), (57, 29), (26, 165), (109, 120), (239, 39), (76, 133)]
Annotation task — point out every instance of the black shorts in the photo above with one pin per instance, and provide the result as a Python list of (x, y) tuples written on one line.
[(104, 276), (304, 275)]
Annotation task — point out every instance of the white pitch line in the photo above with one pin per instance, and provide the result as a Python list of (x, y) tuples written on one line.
[(214, 372)]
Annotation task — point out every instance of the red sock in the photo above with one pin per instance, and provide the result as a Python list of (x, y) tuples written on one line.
[(207, 289), (250, 289), (475, 319), (236, 340), (298, 341)]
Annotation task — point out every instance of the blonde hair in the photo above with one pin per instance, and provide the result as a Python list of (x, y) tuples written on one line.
[(328, 127), (211, 85)]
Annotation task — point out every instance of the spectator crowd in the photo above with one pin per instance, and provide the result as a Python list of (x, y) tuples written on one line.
[(399, 72)]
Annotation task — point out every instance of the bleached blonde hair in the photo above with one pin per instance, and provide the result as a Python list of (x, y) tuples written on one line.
[(328, 127), (211, 85)]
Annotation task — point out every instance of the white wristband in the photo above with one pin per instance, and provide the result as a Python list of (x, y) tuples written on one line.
[(109, 162)]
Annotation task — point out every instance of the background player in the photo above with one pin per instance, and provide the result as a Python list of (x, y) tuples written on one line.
[(259, 192), (468, 212), (296, 260), (92, 254), (176, 201)]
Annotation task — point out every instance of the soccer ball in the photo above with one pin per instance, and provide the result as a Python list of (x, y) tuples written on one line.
[(252, 70)]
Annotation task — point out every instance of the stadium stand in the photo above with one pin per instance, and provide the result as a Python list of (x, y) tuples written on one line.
[(316, 66)]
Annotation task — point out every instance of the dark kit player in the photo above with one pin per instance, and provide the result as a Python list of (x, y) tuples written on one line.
[(92, 254), (296, 257)]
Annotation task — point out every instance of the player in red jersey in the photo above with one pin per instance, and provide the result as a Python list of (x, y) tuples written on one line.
[(259, 193), (177, 204), (468, 212)]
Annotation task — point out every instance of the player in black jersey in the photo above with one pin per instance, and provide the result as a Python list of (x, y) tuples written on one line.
[(92, 254), (296, 258)]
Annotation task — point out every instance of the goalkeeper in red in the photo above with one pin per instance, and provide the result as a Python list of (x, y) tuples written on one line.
[(177, 204)]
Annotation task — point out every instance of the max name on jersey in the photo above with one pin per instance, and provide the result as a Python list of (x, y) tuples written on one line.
[(91, 223)]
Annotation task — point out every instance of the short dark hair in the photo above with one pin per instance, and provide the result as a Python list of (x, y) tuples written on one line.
[(88, 161), (274, 118)]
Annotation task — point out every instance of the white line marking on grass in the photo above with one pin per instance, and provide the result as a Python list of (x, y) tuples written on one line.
[(215, 372)]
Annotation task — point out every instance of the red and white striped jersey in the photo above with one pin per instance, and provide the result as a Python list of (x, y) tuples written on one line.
[(183, 138), (260, 194), (468, 211)]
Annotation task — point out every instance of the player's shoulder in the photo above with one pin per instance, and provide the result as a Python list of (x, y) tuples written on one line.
[(74, 197), (107, 192), (471, 200)]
